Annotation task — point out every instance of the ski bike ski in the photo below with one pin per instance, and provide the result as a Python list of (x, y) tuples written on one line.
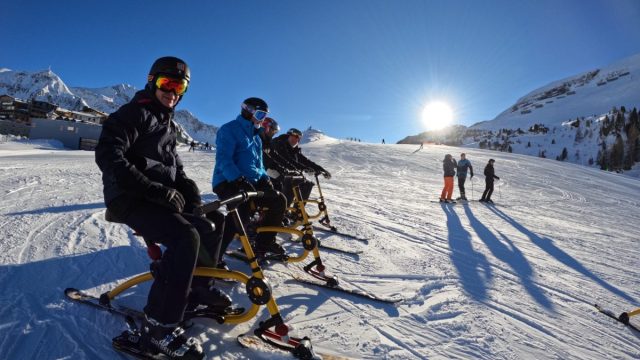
[(322, 245), (333, 283), (623, 318), (334, 230), (274, 343), (489, 203), (125, 311)]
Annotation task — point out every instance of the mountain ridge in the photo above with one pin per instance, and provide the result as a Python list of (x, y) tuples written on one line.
[(47, 86)]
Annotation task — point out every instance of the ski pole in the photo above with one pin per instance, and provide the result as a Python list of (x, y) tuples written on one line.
[(499, 192), (472, 196)]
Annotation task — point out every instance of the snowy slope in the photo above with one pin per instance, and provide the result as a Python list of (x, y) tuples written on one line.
[(510, 282), (592, 93)]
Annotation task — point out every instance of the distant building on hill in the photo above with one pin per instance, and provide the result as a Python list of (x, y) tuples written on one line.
[(74, 134)]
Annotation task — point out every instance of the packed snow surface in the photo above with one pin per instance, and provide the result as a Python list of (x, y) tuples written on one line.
[(512, 281)]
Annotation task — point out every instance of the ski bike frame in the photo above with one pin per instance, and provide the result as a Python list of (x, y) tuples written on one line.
[(322, 207), (257, 288), (309, 242)]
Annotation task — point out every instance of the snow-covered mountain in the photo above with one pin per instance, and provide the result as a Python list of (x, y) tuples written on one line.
[(42, 85), (106, 99), (591, 93), (586, 119), (198, 130), (46, 85), (312, 135)]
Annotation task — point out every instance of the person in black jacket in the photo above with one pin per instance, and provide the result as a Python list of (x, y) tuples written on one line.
[(286, 147), (273, 163), (449, 167), (146, 187), (463, 165), (489, 174)]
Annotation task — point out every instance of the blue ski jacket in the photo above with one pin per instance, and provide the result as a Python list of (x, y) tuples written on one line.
[(238, 153), (463, 165)]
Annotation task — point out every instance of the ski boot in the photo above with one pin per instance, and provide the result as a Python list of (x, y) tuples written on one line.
[(203, 292), (169, 340)]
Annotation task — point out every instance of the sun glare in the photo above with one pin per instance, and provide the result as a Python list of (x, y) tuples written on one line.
[(437, 115)]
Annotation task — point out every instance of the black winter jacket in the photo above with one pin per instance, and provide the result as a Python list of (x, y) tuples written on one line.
[(293, 154), (489, 173), (137, 147), (449, 166), (271, 159)]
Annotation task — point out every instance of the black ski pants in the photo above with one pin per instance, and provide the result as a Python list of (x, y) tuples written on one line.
[(305, 188), (461, 181), (488, 190), (189, 241), (272, 200)]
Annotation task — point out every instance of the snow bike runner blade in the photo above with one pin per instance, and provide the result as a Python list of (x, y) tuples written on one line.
[(322, 245), (83, 298), (253, 342), (610, 314), (347, 235), (78, 296), (261, 260), (339, 288)]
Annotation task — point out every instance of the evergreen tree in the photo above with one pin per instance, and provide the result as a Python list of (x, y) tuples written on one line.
[(579, 135), (617, 154), (564, 154)]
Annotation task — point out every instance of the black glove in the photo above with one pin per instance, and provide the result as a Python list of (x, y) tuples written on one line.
[(165, 196), (191, 193), (264, 184), (497, 177), (242, 184), (323, 172)]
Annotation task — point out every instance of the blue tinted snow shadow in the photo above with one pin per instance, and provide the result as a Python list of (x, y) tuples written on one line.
[(550, 248), (508, 253), (60, 209), (473, 268), (35, 317)]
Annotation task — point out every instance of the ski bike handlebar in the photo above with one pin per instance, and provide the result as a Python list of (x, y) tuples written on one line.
[(230, 202)]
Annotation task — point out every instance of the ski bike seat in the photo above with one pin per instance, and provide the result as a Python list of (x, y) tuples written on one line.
[(153, 250)]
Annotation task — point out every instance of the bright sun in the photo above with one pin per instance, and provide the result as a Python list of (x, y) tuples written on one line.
[(437, 115)]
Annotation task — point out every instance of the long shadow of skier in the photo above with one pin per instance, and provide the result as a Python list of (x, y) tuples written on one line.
[(293, 302), (550, 248), (38, 321), (510, 255), (61, 209), (473, 268)]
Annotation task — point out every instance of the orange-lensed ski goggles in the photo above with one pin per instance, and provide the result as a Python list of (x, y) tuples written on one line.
[(167, 84)]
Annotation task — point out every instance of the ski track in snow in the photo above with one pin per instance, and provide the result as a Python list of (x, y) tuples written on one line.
[(479, 281)]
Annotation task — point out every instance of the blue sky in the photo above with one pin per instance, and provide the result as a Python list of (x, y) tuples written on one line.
[(352, 68)]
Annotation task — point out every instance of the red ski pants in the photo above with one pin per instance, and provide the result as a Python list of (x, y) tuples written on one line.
[(447, 191)]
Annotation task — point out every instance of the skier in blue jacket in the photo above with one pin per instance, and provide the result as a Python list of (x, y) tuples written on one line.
[(463, 165), (239, 167)]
